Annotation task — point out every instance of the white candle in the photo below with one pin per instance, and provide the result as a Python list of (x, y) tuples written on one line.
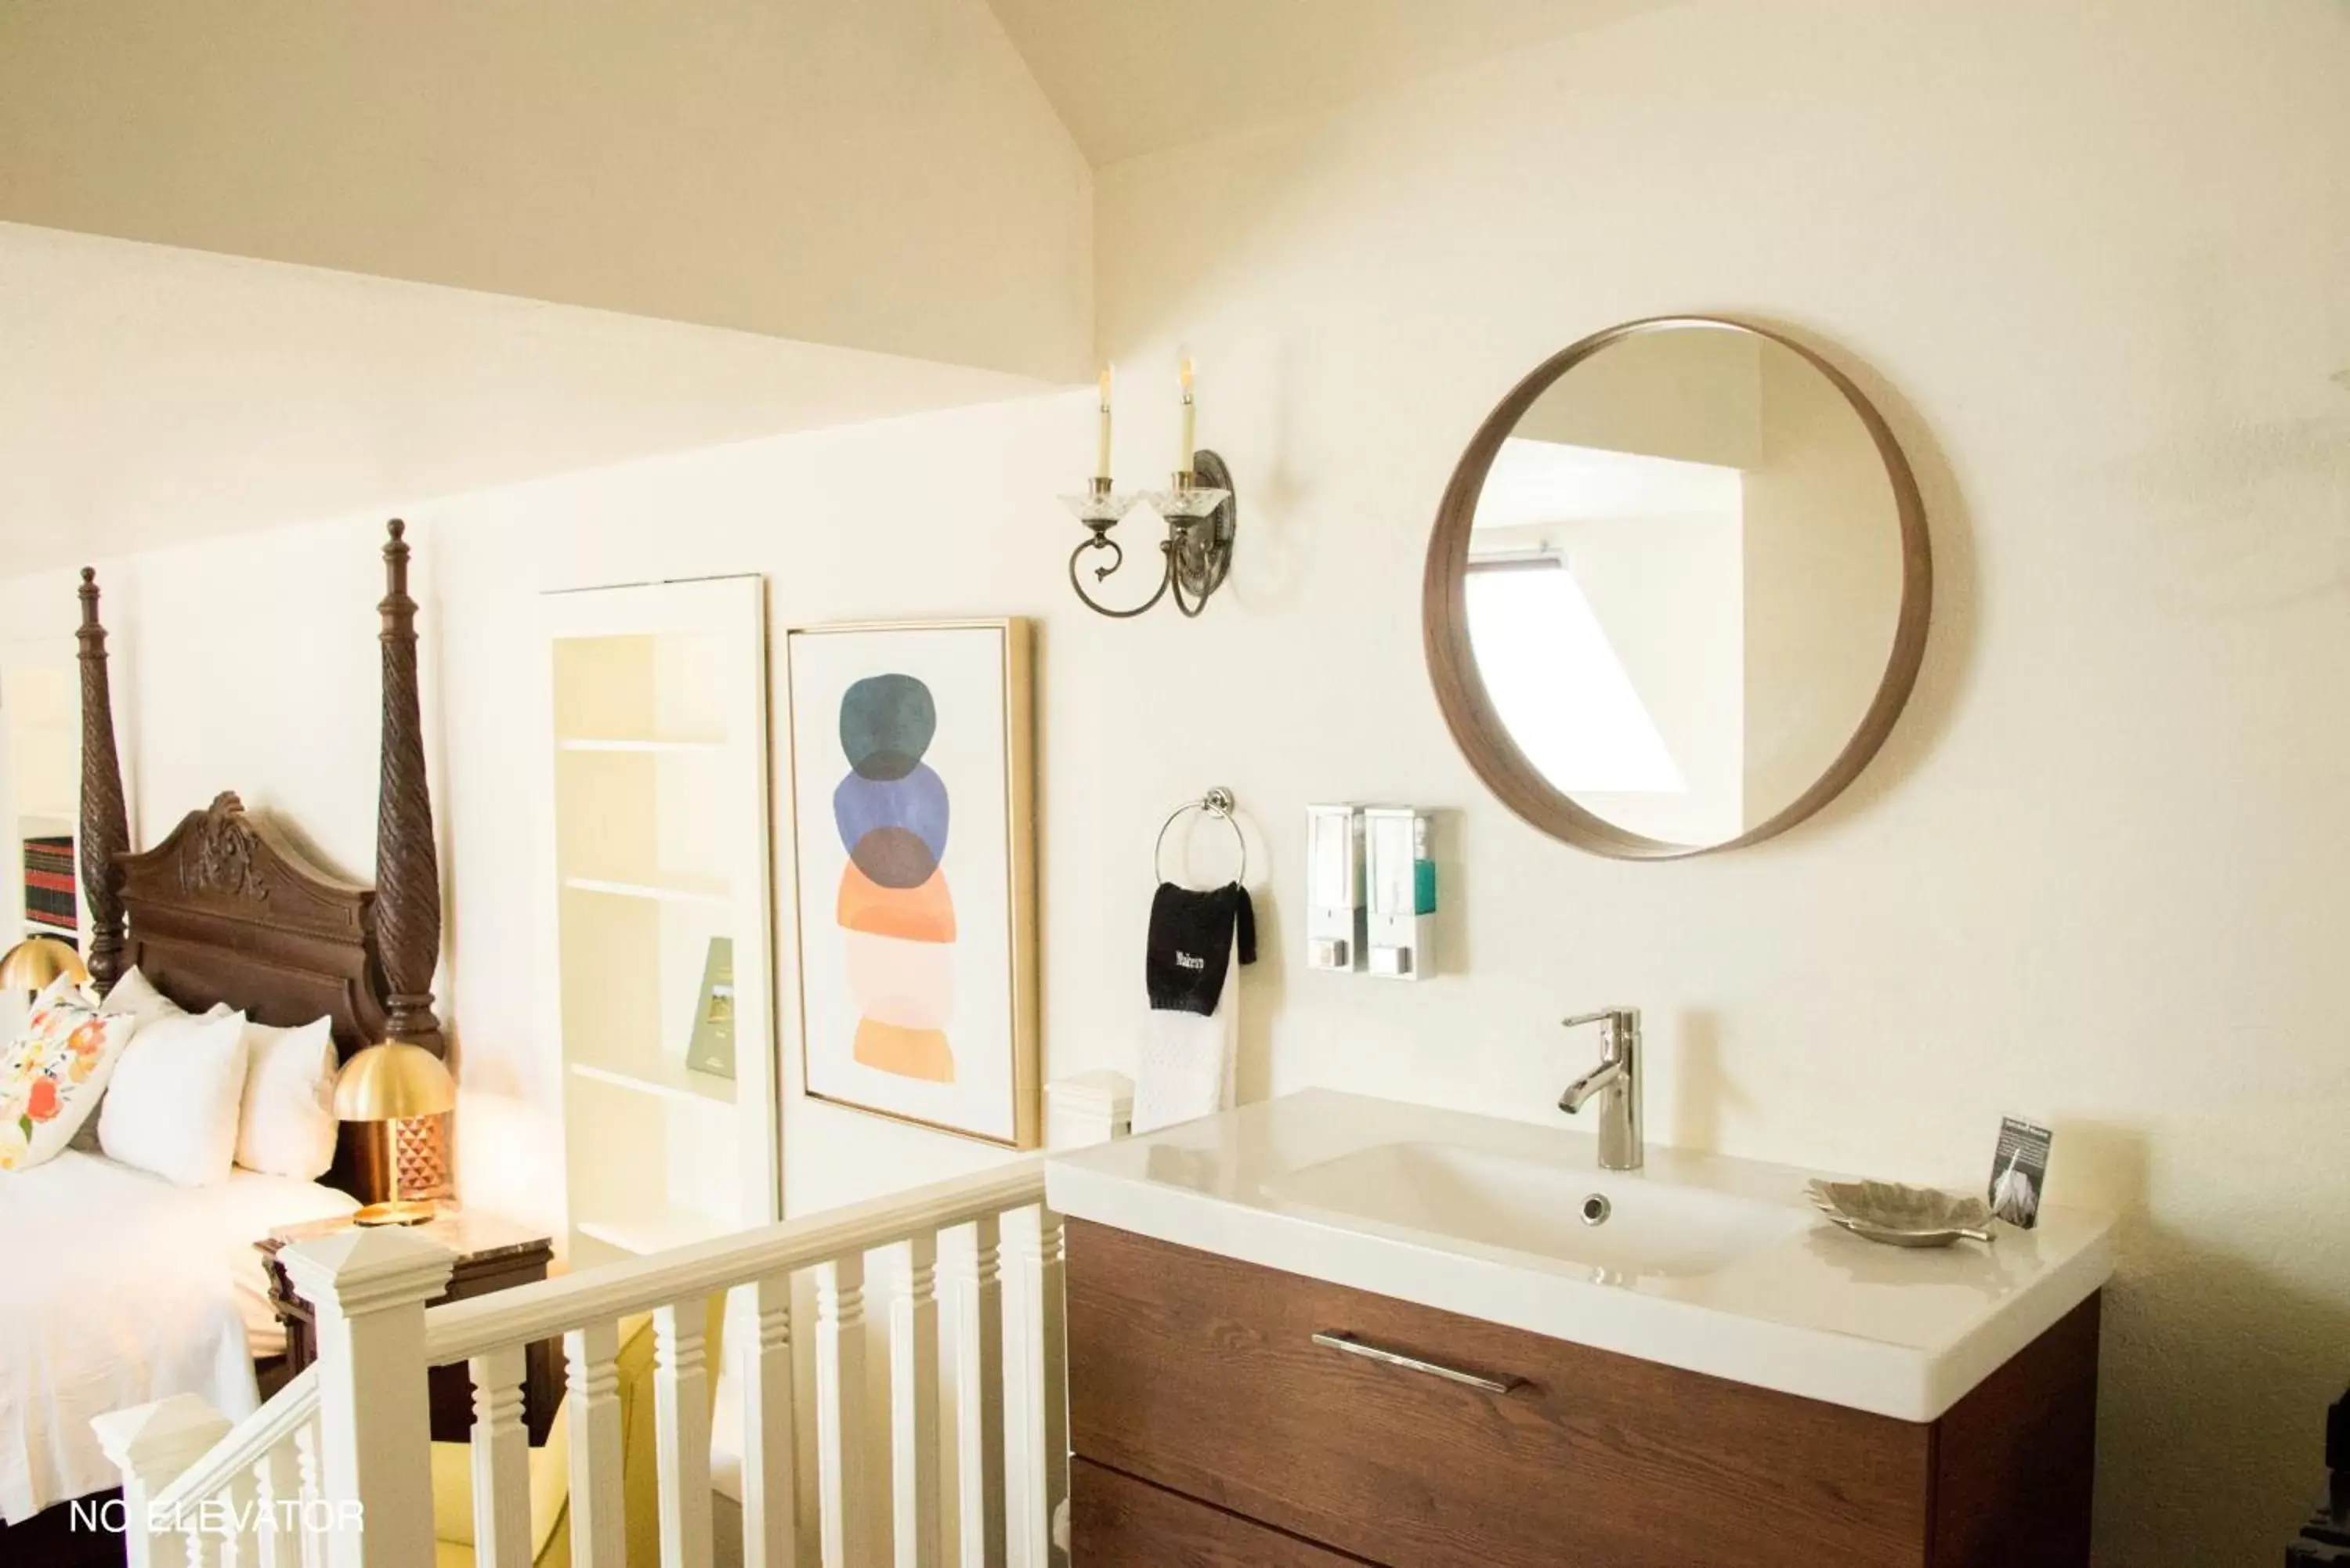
[(1101, 441), (1187, 411)]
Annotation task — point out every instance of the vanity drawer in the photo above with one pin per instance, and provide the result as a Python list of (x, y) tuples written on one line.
[(1203, 1375), (1118, 1520)]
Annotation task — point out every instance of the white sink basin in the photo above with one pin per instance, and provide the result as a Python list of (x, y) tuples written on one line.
[(1450, 1192), (1712, 1264)]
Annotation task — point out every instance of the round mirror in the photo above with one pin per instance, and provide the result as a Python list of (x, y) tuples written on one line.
[(1677, 589)]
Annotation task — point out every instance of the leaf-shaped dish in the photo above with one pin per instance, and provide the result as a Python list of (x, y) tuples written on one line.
[(1902, 1216)]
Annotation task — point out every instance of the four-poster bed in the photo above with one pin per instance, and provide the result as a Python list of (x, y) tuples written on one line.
[(226, 910)]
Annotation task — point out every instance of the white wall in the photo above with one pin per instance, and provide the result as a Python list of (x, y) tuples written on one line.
[(2091, 259)]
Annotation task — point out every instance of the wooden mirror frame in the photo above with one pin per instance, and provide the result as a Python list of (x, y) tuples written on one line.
[(1469, 711)]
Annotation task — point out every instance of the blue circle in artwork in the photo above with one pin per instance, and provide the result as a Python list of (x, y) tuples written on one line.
[(887, 723), (916, 802)]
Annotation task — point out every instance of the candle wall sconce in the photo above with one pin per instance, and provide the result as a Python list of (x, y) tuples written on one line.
[(1201, 516)]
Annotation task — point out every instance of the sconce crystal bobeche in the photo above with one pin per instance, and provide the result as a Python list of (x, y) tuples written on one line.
[(1201, 516)]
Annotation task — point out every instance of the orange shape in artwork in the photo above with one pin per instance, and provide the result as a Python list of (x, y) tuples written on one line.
[(908, 1053), (922, 914)]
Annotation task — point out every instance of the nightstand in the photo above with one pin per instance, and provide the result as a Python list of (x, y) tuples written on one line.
[(492, 1254)]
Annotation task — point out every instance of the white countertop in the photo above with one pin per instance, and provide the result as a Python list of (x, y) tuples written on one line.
[(1802, 1307)]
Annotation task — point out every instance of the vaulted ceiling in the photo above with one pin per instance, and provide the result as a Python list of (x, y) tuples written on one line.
[(1131, 77), (878, 174)]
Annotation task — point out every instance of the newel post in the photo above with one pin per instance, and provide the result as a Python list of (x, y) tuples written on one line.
[(152, 1445), (368, 1288)]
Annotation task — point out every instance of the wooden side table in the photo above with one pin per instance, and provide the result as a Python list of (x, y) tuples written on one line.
[(491, 1255)]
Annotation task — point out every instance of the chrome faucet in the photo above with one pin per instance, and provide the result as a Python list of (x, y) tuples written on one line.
[(1616, 1081)]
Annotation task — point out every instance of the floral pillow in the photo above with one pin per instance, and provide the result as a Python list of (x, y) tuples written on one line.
[(52, 1075)]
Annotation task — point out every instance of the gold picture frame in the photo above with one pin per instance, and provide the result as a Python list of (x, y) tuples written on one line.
[(921, 919)]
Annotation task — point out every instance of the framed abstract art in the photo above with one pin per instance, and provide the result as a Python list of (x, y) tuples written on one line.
[(914, 861)]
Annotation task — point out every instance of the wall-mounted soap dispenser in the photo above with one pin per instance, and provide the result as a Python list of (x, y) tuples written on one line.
[(1400, 871), (1333, 887)]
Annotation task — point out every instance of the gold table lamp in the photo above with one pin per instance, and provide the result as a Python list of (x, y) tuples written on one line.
[(394, 1082), (33, 963)]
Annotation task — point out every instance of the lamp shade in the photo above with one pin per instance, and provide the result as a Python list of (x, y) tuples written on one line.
[(392, 1083), (33, 963)]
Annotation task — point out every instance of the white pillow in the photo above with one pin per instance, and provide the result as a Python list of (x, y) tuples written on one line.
[(287, 1126), (135, 994), (171, 1107)]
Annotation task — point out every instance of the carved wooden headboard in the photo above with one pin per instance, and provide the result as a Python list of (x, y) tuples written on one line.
[(229, 908)]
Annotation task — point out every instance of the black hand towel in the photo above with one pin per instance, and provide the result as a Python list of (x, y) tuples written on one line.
[(1191, 945)]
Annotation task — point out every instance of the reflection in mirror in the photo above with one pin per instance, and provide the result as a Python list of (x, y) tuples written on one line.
[(1685, 578)]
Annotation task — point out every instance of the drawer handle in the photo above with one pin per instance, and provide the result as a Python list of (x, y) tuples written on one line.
[(1338, 1339)]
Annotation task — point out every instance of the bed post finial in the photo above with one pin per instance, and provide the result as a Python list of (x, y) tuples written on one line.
[(407, 864), (105, 823)]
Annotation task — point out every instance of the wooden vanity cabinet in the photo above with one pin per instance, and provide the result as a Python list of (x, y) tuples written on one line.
[(1126, 1521), (1210, 1427)]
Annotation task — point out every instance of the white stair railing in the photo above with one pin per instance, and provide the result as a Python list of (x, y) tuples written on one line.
[(192, 1484), (951, 1445)]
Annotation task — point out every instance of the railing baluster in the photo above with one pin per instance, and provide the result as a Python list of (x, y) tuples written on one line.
[(598, 1520), (1052, 1331), (843, 1520), (681, 1431), (974, 1296), (239, 1541), (278, 1488), (770, 1430), (502, 1525), (306, 1466), (914, 1406), (1040, 1398), (1024, 1546)]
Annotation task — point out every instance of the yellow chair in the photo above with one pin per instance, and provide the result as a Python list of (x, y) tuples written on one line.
[(550, 1478)]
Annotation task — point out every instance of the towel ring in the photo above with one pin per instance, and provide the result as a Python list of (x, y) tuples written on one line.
[(1217, 803)]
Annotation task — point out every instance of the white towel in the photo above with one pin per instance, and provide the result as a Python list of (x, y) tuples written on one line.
[(1186, 1060)]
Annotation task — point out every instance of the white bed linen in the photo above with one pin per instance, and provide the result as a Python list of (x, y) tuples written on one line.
[(116, 1288)]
